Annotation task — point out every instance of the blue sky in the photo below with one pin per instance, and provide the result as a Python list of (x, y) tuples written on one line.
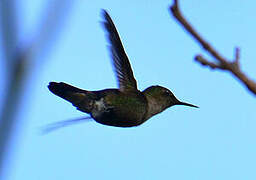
[(216, 141)]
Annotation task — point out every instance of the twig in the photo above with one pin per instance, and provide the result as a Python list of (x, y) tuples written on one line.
[(205, 62), (222, 63)]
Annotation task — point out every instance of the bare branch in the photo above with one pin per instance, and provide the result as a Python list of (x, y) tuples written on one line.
[(222, 63), (237, 56), (205, 62)]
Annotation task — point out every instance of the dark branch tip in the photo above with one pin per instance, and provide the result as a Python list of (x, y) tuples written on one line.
[(237, 54), (174, 7)]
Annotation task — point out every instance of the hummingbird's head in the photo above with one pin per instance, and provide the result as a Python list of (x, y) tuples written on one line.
[(162, 98)]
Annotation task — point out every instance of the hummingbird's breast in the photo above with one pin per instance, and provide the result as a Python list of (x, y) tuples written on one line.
[(120, 109)]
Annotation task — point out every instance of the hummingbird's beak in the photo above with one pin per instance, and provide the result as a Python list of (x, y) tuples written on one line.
[(186, 104)]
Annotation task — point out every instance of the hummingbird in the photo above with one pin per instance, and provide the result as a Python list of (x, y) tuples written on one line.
[(123, 107)]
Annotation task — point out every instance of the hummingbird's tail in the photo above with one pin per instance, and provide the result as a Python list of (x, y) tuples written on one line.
[(81, 99), (66, 91)]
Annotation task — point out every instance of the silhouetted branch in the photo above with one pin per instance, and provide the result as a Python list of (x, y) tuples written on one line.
[(221, 62)]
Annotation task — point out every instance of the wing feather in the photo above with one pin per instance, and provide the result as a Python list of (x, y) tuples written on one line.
[(122, 67)]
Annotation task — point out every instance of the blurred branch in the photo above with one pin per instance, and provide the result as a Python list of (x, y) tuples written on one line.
[(55, 14), (8, 29), (14, 73), (221, 62), (19, 59), (10, 106)]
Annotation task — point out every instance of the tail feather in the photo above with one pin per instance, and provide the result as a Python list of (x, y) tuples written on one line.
[(67, 92), (81, 99)]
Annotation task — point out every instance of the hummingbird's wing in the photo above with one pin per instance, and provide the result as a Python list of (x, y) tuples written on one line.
[(60, 124), (126, 80)]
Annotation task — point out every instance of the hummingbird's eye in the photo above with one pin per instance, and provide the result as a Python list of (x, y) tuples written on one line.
[(167, 93)]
